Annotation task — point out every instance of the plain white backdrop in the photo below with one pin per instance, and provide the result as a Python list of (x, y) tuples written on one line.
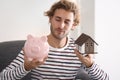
[(107, 33), (18, 18)]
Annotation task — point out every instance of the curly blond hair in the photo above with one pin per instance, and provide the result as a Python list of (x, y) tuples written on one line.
[(68, 6)]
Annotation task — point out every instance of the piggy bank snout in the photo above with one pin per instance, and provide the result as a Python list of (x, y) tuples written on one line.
[(35, 49)]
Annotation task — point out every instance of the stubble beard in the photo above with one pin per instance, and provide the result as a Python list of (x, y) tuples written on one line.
[(59, 37)]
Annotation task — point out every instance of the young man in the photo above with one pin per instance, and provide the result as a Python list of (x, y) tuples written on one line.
[(63, 60)]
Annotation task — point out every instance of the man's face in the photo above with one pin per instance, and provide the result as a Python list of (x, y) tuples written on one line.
[(61, 23)]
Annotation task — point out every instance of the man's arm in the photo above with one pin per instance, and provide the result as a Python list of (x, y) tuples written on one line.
[(15, 70), (94, 71)]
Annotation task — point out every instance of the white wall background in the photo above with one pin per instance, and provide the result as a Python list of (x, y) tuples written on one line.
[(87, 17), (107, 32), (18, 18)]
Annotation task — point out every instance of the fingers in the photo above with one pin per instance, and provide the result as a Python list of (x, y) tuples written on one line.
[(79, 55), (37, 62), (87, 59), (28, 65), (32, 63), (43, 60)]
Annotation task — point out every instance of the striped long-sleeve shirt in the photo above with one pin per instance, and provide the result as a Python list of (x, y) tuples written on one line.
[(61, 64)]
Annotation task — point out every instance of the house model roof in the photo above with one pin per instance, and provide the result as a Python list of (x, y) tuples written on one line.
[(82, 39)]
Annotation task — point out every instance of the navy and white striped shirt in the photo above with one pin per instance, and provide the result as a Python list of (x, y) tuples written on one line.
[(61, 64)]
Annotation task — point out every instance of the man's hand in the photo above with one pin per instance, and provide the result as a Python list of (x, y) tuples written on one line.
[(28, 65), (87, 60)]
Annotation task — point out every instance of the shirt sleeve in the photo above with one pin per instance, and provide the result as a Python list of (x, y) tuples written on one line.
[(96, 73), (14, 71)]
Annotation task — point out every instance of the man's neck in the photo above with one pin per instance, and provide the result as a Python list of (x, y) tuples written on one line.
[(56, 43)]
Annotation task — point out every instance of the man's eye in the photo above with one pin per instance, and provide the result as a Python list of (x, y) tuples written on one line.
[(67, 22), (57, 19)]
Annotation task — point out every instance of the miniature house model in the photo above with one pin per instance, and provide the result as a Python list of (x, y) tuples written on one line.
[(88, 42)]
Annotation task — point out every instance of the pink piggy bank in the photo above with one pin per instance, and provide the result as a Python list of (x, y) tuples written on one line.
[(36, 48)]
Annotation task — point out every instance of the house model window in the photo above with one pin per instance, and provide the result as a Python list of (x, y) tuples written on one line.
[(87, 42)]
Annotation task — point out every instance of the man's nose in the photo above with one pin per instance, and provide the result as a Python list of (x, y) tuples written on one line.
[(62, 24)]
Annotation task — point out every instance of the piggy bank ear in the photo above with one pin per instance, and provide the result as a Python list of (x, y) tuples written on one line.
[(29, 37), (44, 38)]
